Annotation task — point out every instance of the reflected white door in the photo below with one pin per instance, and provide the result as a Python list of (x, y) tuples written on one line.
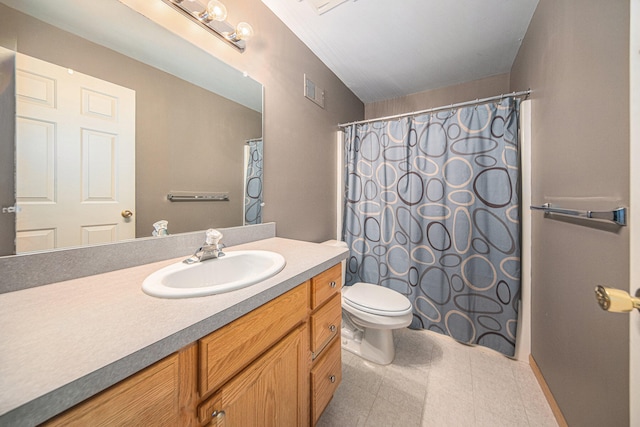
[(634, 220), (75, 158)]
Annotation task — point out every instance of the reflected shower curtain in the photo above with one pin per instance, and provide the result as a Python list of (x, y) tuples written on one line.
[(253, 184), (431, 211)]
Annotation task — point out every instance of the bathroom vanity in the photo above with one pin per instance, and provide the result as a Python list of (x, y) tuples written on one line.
[(265, 355)]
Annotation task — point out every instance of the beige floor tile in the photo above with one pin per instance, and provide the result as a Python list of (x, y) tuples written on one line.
[(405, 392), (488, 419), (341, 417), (393, 414), (443, 409), (437, 382)]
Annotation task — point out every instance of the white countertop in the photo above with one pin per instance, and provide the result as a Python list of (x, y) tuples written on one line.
[(63, 342)]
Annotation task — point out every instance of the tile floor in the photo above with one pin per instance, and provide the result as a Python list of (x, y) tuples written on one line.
[(435, 381)]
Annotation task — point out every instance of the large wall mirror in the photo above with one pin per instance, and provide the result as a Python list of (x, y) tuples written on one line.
[(157, 116)]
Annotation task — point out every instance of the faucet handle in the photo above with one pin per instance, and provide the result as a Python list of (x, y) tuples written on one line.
[(213, 237)]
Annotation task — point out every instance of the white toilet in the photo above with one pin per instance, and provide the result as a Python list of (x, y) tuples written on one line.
[(370, 313)]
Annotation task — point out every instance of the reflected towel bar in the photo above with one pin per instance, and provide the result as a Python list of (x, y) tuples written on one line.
[(224, 197), (618, 216)]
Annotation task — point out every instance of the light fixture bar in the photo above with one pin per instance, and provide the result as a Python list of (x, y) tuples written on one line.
[(222, 29)]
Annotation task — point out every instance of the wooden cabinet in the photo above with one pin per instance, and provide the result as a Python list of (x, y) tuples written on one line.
[(325, 285), (270, 392), (325, 378), (228, 350), (273, 390), (325, 325), (160, 395), (325, 320), (278, 365)]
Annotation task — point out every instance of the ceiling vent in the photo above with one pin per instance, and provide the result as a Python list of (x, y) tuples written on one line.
[(322, 6)]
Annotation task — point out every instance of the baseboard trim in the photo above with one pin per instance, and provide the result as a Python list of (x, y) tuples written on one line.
[(547, 393)]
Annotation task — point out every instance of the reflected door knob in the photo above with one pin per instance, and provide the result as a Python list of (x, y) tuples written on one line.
[(616, 300), (126, 213)]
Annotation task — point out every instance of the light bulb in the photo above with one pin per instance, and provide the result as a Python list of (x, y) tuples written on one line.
[(215, 11), (244, 31)]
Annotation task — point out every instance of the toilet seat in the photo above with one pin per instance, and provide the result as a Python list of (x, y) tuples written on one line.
[(376, 299)]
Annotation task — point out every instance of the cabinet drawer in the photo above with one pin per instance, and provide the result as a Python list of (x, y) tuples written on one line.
[(226, 351), (325, 324), (325, 378), (325, 285)]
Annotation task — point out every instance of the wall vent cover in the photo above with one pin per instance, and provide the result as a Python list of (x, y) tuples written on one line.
[(322, 6)]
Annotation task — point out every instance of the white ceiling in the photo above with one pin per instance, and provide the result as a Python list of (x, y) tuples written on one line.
[(384, 49)]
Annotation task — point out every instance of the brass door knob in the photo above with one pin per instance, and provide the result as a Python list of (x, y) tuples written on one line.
[(126, 213), (616, 300)]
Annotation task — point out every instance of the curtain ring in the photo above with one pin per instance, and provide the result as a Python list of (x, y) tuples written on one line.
[(476, 107)]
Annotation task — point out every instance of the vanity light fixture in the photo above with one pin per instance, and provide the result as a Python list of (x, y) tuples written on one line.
[(213, 17)]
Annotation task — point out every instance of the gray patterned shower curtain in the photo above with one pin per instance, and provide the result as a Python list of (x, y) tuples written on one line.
[(431, 211), (253, 183)]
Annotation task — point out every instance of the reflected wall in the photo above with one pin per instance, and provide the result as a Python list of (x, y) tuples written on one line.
[(187, 138)]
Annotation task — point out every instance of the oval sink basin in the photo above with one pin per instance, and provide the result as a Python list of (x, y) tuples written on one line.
[(235, 270)]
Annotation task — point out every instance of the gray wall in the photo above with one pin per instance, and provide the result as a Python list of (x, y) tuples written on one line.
[(575, 60), (477, 89), (300, 137), (166, 138)]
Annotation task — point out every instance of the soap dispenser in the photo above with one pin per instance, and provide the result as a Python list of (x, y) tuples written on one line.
[(160, 228)]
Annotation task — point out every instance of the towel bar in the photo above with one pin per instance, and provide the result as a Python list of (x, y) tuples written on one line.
[(618, 216), (222, 197)]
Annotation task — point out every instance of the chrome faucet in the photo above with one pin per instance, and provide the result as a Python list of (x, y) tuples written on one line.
[(210, 250)]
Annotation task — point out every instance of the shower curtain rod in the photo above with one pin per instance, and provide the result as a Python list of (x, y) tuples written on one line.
[(524, 93)]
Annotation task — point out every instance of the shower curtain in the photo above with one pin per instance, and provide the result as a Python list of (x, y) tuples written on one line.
[(253, 183), (431, 210)]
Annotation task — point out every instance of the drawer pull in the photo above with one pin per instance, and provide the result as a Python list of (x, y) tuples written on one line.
[(332, 328), (332, 284), (217, 414), (332, 378)]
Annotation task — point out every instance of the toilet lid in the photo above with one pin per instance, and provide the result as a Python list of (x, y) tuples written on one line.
[(376, 299)]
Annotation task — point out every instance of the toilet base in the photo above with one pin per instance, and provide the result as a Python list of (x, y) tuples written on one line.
[(374, 345)]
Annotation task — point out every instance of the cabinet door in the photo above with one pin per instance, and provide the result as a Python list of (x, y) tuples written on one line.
[(271, 392)]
